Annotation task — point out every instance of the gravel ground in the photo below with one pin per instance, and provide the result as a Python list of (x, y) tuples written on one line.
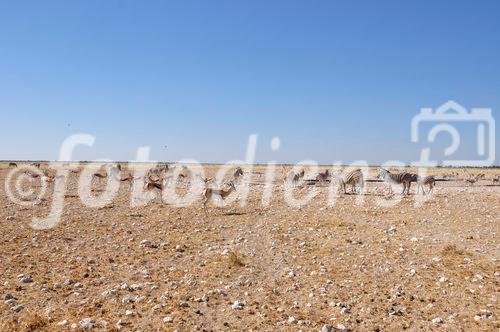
[(267, 268)]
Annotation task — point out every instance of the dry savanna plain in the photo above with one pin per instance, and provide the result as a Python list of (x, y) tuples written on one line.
[(351, 266)]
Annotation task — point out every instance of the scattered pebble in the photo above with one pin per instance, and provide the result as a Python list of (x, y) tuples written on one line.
[(87, 323), (238, 305)]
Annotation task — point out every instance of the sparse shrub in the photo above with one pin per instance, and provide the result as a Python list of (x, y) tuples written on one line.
[(234, 260)]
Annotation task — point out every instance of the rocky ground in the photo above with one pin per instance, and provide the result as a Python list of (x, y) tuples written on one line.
[(354, 267)]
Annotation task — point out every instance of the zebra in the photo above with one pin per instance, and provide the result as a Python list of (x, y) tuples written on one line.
[(323, 176), (399, 178), (429, 180), (294, 178), (352, 178)]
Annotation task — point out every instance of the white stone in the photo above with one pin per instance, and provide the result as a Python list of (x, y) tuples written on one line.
[(437, 320), (87, 323), (238, 305)]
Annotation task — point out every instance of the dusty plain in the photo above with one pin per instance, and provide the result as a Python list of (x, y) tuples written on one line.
[(351, 266)]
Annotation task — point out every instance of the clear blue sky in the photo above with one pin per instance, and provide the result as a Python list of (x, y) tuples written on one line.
[(334, 80)]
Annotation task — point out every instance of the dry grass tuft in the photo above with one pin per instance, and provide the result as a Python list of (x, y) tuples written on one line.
[(34, 322), (452, 250), (234, 260)]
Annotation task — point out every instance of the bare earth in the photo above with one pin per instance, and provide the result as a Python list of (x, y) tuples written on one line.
[(275, 268)]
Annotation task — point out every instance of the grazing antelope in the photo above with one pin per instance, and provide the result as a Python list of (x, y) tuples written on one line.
[(323, 176), (496, 179), (473, 179), (238, 172), (37, 165), (208, 193), (12, 165), (155, 185), (352, 178), (400, 178), (429, 180)]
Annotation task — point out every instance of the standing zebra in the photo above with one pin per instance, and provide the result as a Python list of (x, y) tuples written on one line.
[(323, 177), (399, 178), (352, 178), (429, 180), (293, 177)]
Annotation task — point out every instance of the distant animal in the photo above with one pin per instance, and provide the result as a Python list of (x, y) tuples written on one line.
[(156, 186), (352, 178), (127, 177), (496, 179), (206, 180), (208, 193), (429, 180), (37, 165), (12, 165), (48, 177), (33, 175), (294, 178), (323, 176), (99, 176), (238, 172), (403, 178), (472, 179)]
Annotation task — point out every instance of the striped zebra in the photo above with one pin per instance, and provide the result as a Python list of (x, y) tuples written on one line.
[(429, 180), (400, 178), (293, 177), (323, 177), (352, 178)]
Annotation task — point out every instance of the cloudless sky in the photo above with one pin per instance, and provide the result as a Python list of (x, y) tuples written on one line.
[(335, 80)]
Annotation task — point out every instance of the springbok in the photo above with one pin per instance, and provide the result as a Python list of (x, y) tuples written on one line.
[(208, 193), (33, 175), (238, 172), (99, 176), (157, 185)]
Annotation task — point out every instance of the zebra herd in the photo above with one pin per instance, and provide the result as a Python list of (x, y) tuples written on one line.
[(355, 179)]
